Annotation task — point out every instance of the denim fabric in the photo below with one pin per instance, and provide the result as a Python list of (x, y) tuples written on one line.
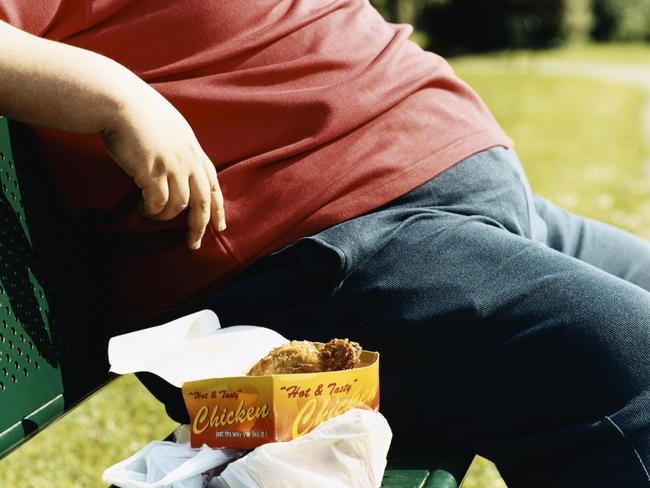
[(506, 325)]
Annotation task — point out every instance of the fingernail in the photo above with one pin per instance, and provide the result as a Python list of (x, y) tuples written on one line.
[(196, 245), (222, 226)]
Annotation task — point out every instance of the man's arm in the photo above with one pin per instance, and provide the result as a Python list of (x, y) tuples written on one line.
[(63, 87)]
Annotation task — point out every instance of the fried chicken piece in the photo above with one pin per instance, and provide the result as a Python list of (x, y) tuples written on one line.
[(294, 357), (308, 357), (340, 354)]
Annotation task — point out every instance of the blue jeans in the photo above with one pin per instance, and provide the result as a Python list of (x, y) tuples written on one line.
[(506, 326)]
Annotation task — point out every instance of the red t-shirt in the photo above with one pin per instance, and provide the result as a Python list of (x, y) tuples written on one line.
[(313, 112)]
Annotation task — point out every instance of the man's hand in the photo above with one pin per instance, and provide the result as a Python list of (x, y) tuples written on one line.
[(59, 86), (151, 141)]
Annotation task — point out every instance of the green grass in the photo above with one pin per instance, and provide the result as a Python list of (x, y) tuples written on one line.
[(580, 141), (632, 53), (73, 452), (582, 145)]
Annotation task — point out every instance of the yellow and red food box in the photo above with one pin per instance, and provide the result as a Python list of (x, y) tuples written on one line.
[(248, 411)]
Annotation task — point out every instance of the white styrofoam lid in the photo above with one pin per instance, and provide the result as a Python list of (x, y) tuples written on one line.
[(192, 348)]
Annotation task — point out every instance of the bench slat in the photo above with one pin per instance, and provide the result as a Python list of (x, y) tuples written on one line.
[(405, 478)]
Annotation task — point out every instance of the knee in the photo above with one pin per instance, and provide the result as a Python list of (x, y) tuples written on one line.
[(608, 350)]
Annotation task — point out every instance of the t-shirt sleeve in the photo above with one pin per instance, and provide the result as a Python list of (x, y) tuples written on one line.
[(33, 16)]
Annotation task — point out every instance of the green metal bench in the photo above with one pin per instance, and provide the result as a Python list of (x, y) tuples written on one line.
[(52, 338)]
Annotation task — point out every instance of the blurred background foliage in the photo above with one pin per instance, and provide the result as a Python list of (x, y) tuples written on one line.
[(452, 27)]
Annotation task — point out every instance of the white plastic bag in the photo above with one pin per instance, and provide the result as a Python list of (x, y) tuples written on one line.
[(162, 464), (346, 451)]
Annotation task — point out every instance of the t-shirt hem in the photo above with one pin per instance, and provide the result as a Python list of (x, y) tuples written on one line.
[(398, 184), (353, 205)]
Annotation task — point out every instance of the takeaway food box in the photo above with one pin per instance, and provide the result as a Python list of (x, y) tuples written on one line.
[(227, 408)]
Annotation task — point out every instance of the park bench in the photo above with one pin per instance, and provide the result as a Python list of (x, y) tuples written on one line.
[(53, 339)]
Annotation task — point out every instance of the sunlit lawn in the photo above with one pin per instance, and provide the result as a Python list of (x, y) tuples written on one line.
[(73, 452), (581, 141), (582, 145), (636, 53)]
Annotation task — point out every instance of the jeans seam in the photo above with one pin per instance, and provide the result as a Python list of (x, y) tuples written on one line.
[(344, 262), (528, 197), (630, 445), (425, 212)]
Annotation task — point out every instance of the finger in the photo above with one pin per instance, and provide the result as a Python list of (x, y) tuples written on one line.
[(155, 196), (179, 195), (198, 216), (217, 210)]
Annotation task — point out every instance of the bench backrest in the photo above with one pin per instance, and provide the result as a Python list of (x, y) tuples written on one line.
[(52, 333)]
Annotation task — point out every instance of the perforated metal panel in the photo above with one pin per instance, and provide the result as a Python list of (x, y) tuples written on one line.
[(52, 315), (9, 179), (30, 379), (20, 357)]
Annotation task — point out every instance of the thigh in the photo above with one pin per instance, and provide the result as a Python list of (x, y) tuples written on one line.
[(508, 347), (604, 246)]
